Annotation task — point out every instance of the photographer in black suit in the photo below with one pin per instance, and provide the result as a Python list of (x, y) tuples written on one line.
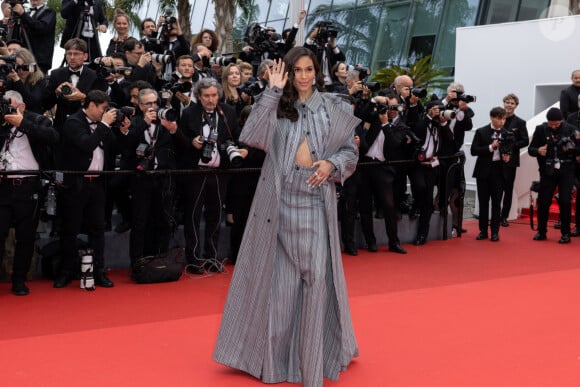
[(38, 26), (569, 96), (493, 146), (68, 86), (151, 140), (26, 139), (84, 20), (210, 128), (322, 41), (86, 142), (518, 128), (554, 146)]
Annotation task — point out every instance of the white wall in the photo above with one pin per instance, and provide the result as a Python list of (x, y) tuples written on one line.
[(533, 59)]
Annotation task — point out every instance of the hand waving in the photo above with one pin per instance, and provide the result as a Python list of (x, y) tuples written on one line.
[(276, 75)]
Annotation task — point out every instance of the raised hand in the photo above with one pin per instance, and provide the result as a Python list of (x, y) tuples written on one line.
[(277, 75)]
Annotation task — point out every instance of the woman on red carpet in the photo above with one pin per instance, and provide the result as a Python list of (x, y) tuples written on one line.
[(287, 316)]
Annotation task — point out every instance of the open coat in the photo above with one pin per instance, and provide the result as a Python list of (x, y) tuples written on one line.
[(243, 333)]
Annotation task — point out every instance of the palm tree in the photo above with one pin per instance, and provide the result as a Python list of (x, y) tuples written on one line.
[(423, 72)]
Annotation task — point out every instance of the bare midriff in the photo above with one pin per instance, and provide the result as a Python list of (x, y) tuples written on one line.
[(303, 156)]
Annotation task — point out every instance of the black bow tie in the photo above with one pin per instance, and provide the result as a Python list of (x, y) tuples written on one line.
[(72, 72), (33, 9)]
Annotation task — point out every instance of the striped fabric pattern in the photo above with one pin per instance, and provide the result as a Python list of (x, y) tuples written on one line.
[(245, 340)]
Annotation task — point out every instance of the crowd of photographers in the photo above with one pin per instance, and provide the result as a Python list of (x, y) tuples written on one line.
[(162, 103)]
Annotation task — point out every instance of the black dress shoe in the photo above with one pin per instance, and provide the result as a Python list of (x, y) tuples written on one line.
[(481, 236), (421, 240), (504, 222), (494, 237), (564, 239), (575, 233), (103, 281), (61, 281), (351, 251), (373, 247), (20, 289), (540, 236), (397, 249)]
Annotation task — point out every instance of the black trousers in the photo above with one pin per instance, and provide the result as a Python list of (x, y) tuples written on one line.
[(152, 221), (509, 176), (423, 180), (19, 207), (379, 182), (82, 202), (563, 179), (203, 194), (490, 188), (349, 205)]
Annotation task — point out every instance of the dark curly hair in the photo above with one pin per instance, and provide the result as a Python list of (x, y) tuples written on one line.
[(286, 107)]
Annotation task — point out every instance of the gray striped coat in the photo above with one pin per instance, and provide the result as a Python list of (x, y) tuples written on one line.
[(243, 333)]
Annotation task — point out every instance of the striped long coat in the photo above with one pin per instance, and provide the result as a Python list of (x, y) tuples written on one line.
[(242, 338)]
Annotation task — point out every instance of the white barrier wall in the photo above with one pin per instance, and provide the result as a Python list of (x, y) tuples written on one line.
[(533, 59)]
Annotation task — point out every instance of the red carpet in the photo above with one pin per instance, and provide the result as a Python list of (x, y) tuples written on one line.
[(451, 313)]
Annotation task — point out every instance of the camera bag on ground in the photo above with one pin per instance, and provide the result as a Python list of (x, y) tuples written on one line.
[(164, 267)]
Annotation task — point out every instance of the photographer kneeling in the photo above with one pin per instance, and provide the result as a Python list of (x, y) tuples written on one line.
[(553, 144), (151, 138)]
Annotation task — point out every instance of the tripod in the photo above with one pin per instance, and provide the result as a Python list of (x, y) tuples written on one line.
[(86, 29), (16, 30)]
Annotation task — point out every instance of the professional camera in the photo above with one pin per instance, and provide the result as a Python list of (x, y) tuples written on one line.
[(167, 114), (170, 20), (506, 141), (14, 2), (382, 109), (418, 152), (145, 157), (461, 96), (163, 58), (66, 90), (262, 41), (209, 144), (5, 107), (7, 67), (326, 31), (152, 44), (419, 92), (252, 88), (104, 71), (178, 87), (231, 149), (222, 60), (566, 142), (122, 113), (448, 114)]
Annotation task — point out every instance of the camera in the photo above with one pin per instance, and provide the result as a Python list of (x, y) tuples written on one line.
[(252, 88), (461, 96), (209, 144), (222, 60), (178, 87), (6, 108), (234, 155), (326, 31), (262, 41), (448, 114), (418, 152), (162, 58), (152, 44), (419, 92), (382, 109), (566, 142), (170, 20), (122, 113), (363, 72), (14, 2), (104, 71), (167, 114), (8, 67), (66, 90), (145, 157), (506, 141)]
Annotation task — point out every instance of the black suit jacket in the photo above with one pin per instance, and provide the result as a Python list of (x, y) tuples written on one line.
[(518, 127), (331, 57), (72, 13), (42, 138), (36, 97), (445, 144), (569, 100), (88, 81), (40, 30), (480, 148), (191, 125), (78, 143)]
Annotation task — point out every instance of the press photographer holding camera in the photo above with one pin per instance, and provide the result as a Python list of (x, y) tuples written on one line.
[(151, 140), (554, 145), (172, 41), (84, 20), (26, 141), (211, 129), (322, 41), (38, 25)]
